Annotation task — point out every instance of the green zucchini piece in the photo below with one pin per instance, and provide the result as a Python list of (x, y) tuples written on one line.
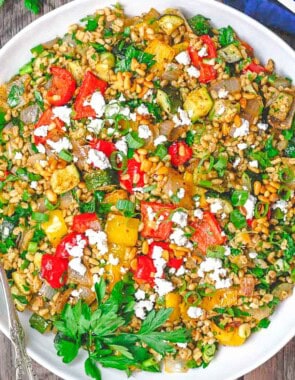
[(280, 108), (101, 179), (230, 53), (224, 111), (169, 99), (198, 104), (169, 23), (39, 323)]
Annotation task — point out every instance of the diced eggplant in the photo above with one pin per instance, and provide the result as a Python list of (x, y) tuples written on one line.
[(224, 111), (282, 111), (252, 110), (230, 53), (198, 104), (169, 23)]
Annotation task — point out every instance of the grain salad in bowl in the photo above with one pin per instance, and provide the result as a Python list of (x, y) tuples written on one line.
[(147, 190)]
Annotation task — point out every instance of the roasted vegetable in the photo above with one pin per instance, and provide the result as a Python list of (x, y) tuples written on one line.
[(55, 227), (198, 103), (106, 63), (122, 230), (224, 111), (163, 54), (169, 99), (169, 23), (101, 179), (230, 53), (231, 336), (66, 179), (281, 106), (39, 323), (221, 298)]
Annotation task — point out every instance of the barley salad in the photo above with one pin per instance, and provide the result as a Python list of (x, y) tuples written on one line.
[(147, 176)]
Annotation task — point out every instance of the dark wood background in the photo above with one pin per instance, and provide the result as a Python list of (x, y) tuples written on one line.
[(13, 17)]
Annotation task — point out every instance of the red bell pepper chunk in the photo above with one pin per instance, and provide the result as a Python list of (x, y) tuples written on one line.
[(249, 222), (62, 87), (156, 220), (211, 48), (207, 72), (54, 270), (5, 174), (175, 263), (89, 85), (207, 232), (107, 147), (136, 176), (48, 118), (70, 240), (86, 221), (145, 270), (180, 153), (254, 68)]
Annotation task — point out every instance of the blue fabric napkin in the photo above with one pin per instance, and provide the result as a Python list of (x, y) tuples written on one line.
[(268, 12)]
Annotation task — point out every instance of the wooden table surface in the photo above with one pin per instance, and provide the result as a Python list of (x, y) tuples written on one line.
[(13, 17)]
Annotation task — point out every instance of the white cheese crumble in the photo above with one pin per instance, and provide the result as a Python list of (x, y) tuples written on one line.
[(216, 206), (77, 266), (183, 58), (160, 140), (236, 162), (193, 72), (76, 293), (97, 103), (41, 148), (198, 213), (262, 126), (142, 307), (253, 164), (180, 193), (221, 109), (63, 113), (122, 146), (41, 131), (95, 126), (98, 238), (252, 255), (218, 272), (178, 237), (150, 213), (180, 218), (243, 130), (180, 271), (183, 118), (76, 250), (144, 132), (98, 159), (43, 163), (18, 156), (194, 312), (113, 260), (222, 93), (139, 295), (181, 345), (203, 51), (242, 146), (34, 185), (142, 110), (163, 287), (250, 206), (159, 262), (58, 146), (110, 131)]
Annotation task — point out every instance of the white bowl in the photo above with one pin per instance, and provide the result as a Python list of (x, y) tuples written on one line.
[(231, 362)]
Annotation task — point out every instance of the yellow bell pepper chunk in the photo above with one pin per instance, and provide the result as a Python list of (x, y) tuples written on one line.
[(112, 274), (163, 53), (55, 228), (173, 300), (221, 298), (121, 230), (227, 338)]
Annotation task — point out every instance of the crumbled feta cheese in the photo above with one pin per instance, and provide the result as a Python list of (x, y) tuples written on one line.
[(180, 271), (262, 126), (194, 312), (150, 213), (222, 93), (139, 295), (178, 237), (112, 109), (34, 185), (63, 113), (183, 58), (148, 94), (138, 189), (41, 131), (98, 238), (220, 110), (142, 307), (216, 206), (122, 146), (160, 140), (242, 146), (193, 72), (252, 255), (110, 131), (58, 146), (183, 118), (76, 250), (222, 283), (18, 156), (97, 103), (41, 148), (210, 61), (181, 345), (163, 287), (227, 251), (43, 163), (180, 218), (95, 126), (236, 162), (142, 110), (98, 159), (198, 213), (253, 164), (243, 130), (77, 266), (123, 270), (203, 51), (180, 193), (159, 262), (76, 293), (250, 206), (215, 266), (144, 132), (101, 271), (113, 260), (223, 215), (125, 111), (208, 265)]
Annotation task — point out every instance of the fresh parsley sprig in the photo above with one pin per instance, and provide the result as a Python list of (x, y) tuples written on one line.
[(99, 332), (32, 5)]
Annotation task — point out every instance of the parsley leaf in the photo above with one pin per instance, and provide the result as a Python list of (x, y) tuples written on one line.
[(91, 369), (66, 348), (226, 36), (33, 5), (130, 53), (200, 25), (91, 22), (14, 96)]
